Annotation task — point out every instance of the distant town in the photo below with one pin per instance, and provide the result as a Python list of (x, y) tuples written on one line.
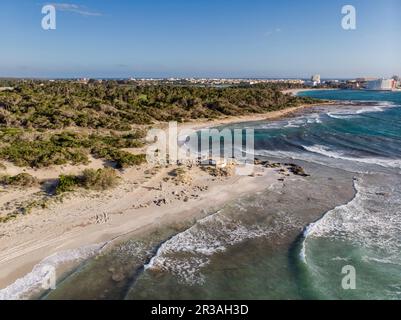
[(376, 84), (315, 81)]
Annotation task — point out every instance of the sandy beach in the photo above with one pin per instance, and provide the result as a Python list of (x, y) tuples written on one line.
[(147, 197), (274, 115), (294, 92)]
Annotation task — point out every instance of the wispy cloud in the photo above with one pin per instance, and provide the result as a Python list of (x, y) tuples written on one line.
[(272, 32), (76, 8)]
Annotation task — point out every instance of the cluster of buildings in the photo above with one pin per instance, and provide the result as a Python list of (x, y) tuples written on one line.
[(215, 81), (314, 81), (379, 84), (376, 84)]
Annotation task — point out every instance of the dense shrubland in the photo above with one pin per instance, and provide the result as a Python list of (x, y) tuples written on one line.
[(36, 149), (108, 105), (39, 120)]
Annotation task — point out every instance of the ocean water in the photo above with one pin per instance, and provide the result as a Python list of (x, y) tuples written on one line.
[(366, 232), (290, 241)]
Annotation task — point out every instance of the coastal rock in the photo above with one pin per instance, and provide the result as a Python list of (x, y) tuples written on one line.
[(297, 170), (383, 194), (273, 165), (160, 202), (263, 163)]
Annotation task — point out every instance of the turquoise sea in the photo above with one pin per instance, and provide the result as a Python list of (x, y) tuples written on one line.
[(365, 233), (292, 240)]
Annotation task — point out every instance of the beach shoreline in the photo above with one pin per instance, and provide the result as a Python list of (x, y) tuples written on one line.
[(28, 240), (269, 116), (295, 92), (19, 256)]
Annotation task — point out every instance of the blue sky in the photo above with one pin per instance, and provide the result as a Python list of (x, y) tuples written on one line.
[(214, 38)]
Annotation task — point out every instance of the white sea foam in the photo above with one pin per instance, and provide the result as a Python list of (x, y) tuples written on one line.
[(357, 167), (370, 109), (371, 220), (349, 112), (314, 118), (363, 222), (308, 230), (23, 287), (295, 123), (340, 259), (187, 253), (302, 121), (340, 115), (325, 151)]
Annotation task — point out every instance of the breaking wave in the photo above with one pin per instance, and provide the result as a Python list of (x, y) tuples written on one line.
[(185, 254), (365, 233), (32, 282), (327, 152)]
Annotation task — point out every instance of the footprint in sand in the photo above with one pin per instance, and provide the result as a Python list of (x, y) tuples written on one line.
[(102, 218)]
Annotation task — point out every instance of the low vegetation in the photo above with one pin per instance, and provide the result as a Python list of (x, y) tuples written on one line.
[(20, 180), (90, 179), (181, 176), (26, 208), (67, 183), (101, 179), (122, 159), (35, 149), (45, 123)]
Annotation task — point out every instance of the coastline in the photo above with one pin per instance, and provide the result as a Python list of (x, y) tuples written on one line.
[(47, 236), (27, 241), (271, 116), (294, 92)]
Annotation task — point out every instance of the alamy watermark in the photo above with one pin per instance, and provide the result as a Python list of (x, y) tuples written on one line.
[(349, 280), (348, 22), (206, 146), (49, 20)]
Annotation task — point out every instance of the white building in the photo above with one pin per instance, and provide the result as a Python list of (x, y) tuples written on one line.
[(316, 78), (314, 81), (381, 85)]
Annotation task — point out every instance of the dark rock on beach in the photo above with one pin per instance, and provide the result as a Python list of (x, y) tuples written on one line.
[(297, 170)]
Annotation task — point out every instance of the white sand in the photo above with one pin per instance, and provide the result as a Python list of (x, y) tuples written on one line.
[(85, 220), (294, 92)]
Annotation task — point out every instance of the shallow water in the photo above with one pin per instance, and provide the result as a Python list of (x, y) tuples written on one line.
[(365, 233)]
